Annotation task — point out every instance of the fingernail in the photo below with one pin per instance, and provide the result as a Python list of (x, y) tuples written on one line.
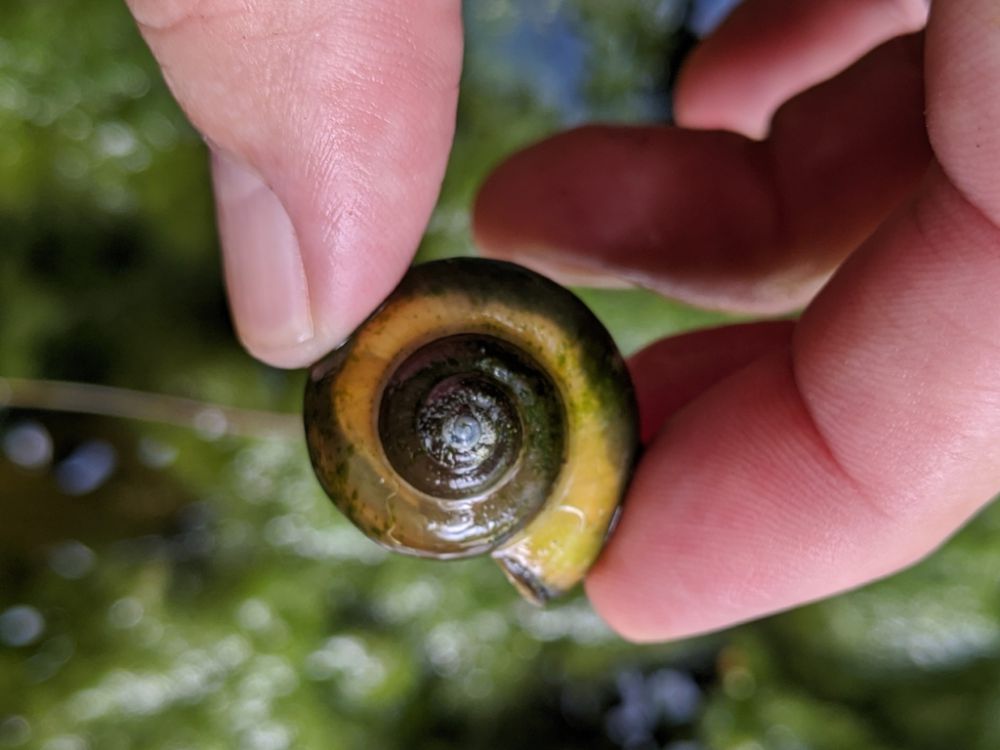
[(265, 276)]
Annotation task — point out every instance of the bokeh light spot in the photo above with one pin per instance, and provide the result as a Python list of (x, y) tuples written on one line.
[(21, 625), (72, 560), (14, 731), (87, 468), (28, 445)]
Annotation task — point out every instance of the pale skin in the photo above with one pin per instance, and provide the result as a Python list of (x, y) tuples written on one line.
[(785, 462)]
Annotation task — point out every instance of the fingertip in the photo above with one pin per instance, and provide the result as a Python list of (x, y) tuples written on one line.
[(505, 212), (672, 372), (294, 357), (768, 51), (289, 305), (527, 208), (601, 590), (331, 127), (265, 277), (707, 98)]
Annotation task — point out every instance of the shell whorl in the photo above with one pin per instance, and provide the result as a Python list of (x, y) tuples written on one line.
[(481, 408), (473, 419)]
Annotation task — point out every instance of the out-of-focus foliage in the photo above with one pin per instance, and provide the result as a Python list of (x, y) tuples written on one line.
[(168, 588)]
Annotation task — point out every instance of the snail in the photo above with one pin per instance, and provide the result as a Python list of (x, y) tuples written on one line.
[(481, 409)]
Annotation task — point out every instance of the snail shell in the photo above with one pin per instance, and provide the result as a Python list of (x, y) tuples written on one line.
[(482, 408)]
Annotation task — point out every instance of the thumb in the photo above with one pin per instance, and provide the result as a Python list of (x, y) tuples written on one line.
[(330, 124)]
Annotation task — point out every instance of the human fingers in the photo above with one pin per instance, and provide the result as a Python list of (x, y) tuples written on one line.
[(672, 372), (874, 435), (714, 218), (330, 125), (767, 51)]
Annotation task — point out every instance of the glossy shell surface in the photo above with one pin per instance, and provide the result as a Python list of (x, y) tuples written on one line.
[(481, 409)]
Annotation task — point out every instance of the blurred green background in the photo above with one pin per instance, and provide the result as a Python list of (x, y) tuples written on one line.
[(182, 588)]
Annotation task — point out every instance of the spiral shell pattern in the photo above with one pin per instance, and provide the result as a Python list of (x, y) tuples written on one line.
[(482, 408)]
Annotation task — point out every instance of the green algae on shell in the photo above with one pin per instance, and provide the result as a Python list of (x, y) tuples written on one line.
[(481, 409)]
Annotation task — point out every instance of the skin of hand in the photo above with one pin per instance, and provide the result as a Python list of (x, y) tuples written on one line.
[(835, 154)]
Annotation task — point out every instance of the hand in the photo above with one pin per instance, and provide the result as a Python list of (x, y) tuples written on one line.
[(789, 462), (330, 124), (784, 462)]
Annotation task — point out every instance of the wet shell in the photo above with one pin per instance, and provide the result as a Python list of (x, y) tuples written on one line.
[(481, 409)]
